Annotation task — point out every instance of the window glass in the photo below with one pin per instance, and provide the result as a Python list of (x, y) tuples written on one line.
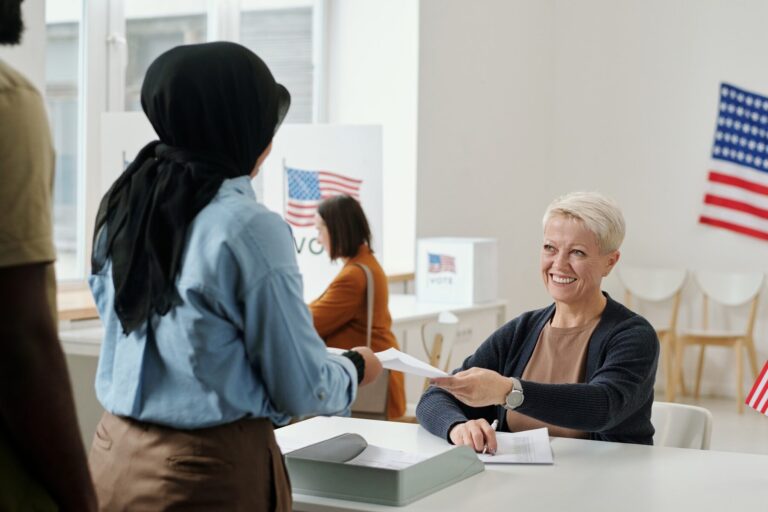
[(153, 27), (280, 32), (62, 82)]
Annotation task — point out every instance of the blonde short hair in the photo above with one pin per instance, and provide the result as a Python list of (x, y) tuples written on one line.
[(599, 214)]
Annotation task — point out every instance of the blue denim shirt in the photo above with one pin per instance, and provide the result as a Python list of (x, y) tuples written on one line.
[(242, 343)]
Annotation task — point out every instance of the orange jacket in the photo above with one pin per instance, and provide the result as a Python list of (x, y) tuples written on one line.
[(340, 315)]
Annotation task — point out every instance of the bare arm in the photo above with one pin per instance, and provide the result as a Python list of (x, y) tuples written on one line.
[(36, 404)]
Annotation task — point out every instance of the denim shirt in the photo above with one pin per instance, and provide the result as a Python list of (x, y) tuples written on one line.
[(241, 343)]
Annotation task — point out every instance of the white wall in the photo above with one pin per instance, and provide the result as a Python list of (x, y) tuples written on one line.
[(372, 52), (523, 101), (29, 56)]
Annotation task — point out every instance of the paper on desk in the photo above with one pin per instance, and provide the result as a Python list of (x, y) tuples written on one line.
[(527, 447), (378, 457), (393, 359)]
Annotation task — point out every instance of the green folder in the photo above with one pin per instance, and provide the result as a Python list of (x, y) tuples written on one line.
[(320, 469)]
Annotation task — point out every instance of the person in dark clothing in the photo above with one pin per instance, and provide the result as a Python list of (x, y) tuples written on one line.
[(584, 367)]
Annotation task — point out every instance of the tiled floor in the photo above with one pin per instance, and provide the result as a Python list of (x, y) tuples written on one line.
[(731, 431)]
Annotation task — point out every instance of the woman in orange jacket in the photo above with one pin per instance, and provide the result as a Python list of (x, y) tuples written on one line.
[(340, 314)]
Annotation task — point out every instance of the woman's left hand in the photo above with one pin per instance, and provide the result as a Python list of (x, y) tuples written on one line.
[(476, 387)]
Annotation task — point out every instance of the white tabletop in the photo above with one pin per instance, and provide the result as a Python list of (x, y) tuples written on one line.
[(404, 307), (587, 476)]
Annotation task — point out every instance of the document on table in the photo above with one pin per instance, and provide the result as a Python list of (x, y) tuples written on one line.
[(527, 447), (393, 359), (378, 457)]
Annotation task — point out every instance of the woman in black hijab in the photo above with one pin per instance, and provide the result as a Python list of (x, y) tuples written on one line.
[(207, 340)]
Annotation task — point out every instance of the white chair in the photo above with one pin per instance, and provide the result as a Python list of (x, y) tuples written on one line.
[(437, 339), (659, 285), (681, 425), (726, 289)]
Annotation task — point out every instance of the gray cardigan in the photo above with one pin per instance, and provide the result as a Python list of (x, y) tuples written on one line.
[(614, 404)]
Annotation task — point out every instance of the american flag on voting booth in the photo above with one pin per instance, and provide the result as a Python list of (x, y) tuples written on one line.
[(441, 263), (758, 396), (307, 189), (737, 186)]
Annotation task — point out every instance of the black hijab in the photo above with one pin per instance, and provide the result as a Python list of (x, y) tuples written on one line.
[(215, 107)]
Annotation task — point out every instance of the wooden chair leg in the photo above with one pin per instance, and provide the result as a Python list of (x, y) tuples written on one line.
[(739, 375), (669, 371), (699, 369), (680, 381), (752, 354)]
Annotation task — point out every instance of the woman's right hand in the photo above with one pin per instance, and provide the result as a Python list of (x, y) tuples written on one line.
[(477, 434), (372, 365)]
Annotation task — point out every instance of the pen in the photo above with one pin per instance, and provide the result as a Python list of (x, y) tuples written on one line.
[(494, 426)]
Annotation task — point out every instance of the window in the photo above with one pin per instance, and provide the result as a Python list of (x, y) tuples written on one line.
[(125, 36), (151, 29), (62, 72), (283, 38)]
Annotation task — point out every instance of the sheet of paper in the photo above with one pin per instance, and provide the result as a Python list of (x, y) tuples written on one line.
[(393, 359), (378, 457), (527, 447), (334, 350)]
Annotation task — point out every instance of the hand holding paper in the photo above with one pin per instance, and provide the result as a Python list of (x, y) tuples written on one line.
[(393, 359)]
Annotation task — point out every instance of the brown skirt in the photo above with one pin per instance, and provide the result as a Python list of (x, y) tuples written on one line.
[(139, 466)]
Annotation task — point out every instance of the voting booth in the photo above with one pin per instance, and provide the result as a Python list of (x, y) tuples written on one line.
[(456, 270), (308, 163)]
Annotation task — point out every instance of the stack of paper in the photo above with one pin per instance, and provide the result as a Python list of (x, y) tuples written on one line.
[(527, 447)]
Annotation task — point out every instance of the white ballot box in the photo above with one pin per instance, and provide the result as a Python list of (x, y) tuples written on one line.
[(456, 270)]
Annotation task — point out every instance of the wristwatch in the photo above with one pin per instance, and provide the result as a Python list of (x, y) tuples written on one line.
[(515, 397)]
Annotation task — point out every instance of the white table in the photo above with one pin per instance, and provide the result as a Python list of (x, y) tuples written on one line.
[(408, 313), (84, 337), (587, 476)]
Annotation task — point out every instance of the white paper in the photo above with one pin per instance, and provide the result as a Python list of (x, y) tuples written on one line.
[(378, 457), (393, 359), (334, 350), (527, 447)]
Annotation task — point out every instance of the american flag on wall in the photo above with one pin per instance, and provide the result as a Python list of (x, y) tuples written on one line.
[(737, 187), (307, 189), (441, 263), (758, 397)]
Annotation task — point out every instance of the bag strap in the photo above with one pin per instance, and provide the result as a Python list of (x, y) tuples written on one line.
[(369, 301)]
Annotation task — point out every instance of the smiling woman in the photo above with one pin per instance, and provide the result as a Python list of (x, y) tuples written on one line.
[(583, 367)]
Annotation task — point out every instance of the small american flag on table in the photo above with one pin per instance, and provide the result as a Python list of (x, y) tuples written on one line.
[(737, 186), (758, 397), (307, 189)]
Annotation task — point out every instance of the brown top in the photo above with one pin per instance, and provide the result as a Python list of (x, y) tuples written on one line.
[(560, 357), (340, 316), (26, 187)]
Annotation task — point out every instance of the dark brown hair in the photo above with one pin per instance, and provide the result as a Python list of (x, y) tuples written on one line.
[(11, 24), (347, 225)]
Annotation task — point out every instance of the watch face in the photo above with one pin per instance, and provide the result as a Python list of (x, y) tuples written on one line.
[(514, 398)]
